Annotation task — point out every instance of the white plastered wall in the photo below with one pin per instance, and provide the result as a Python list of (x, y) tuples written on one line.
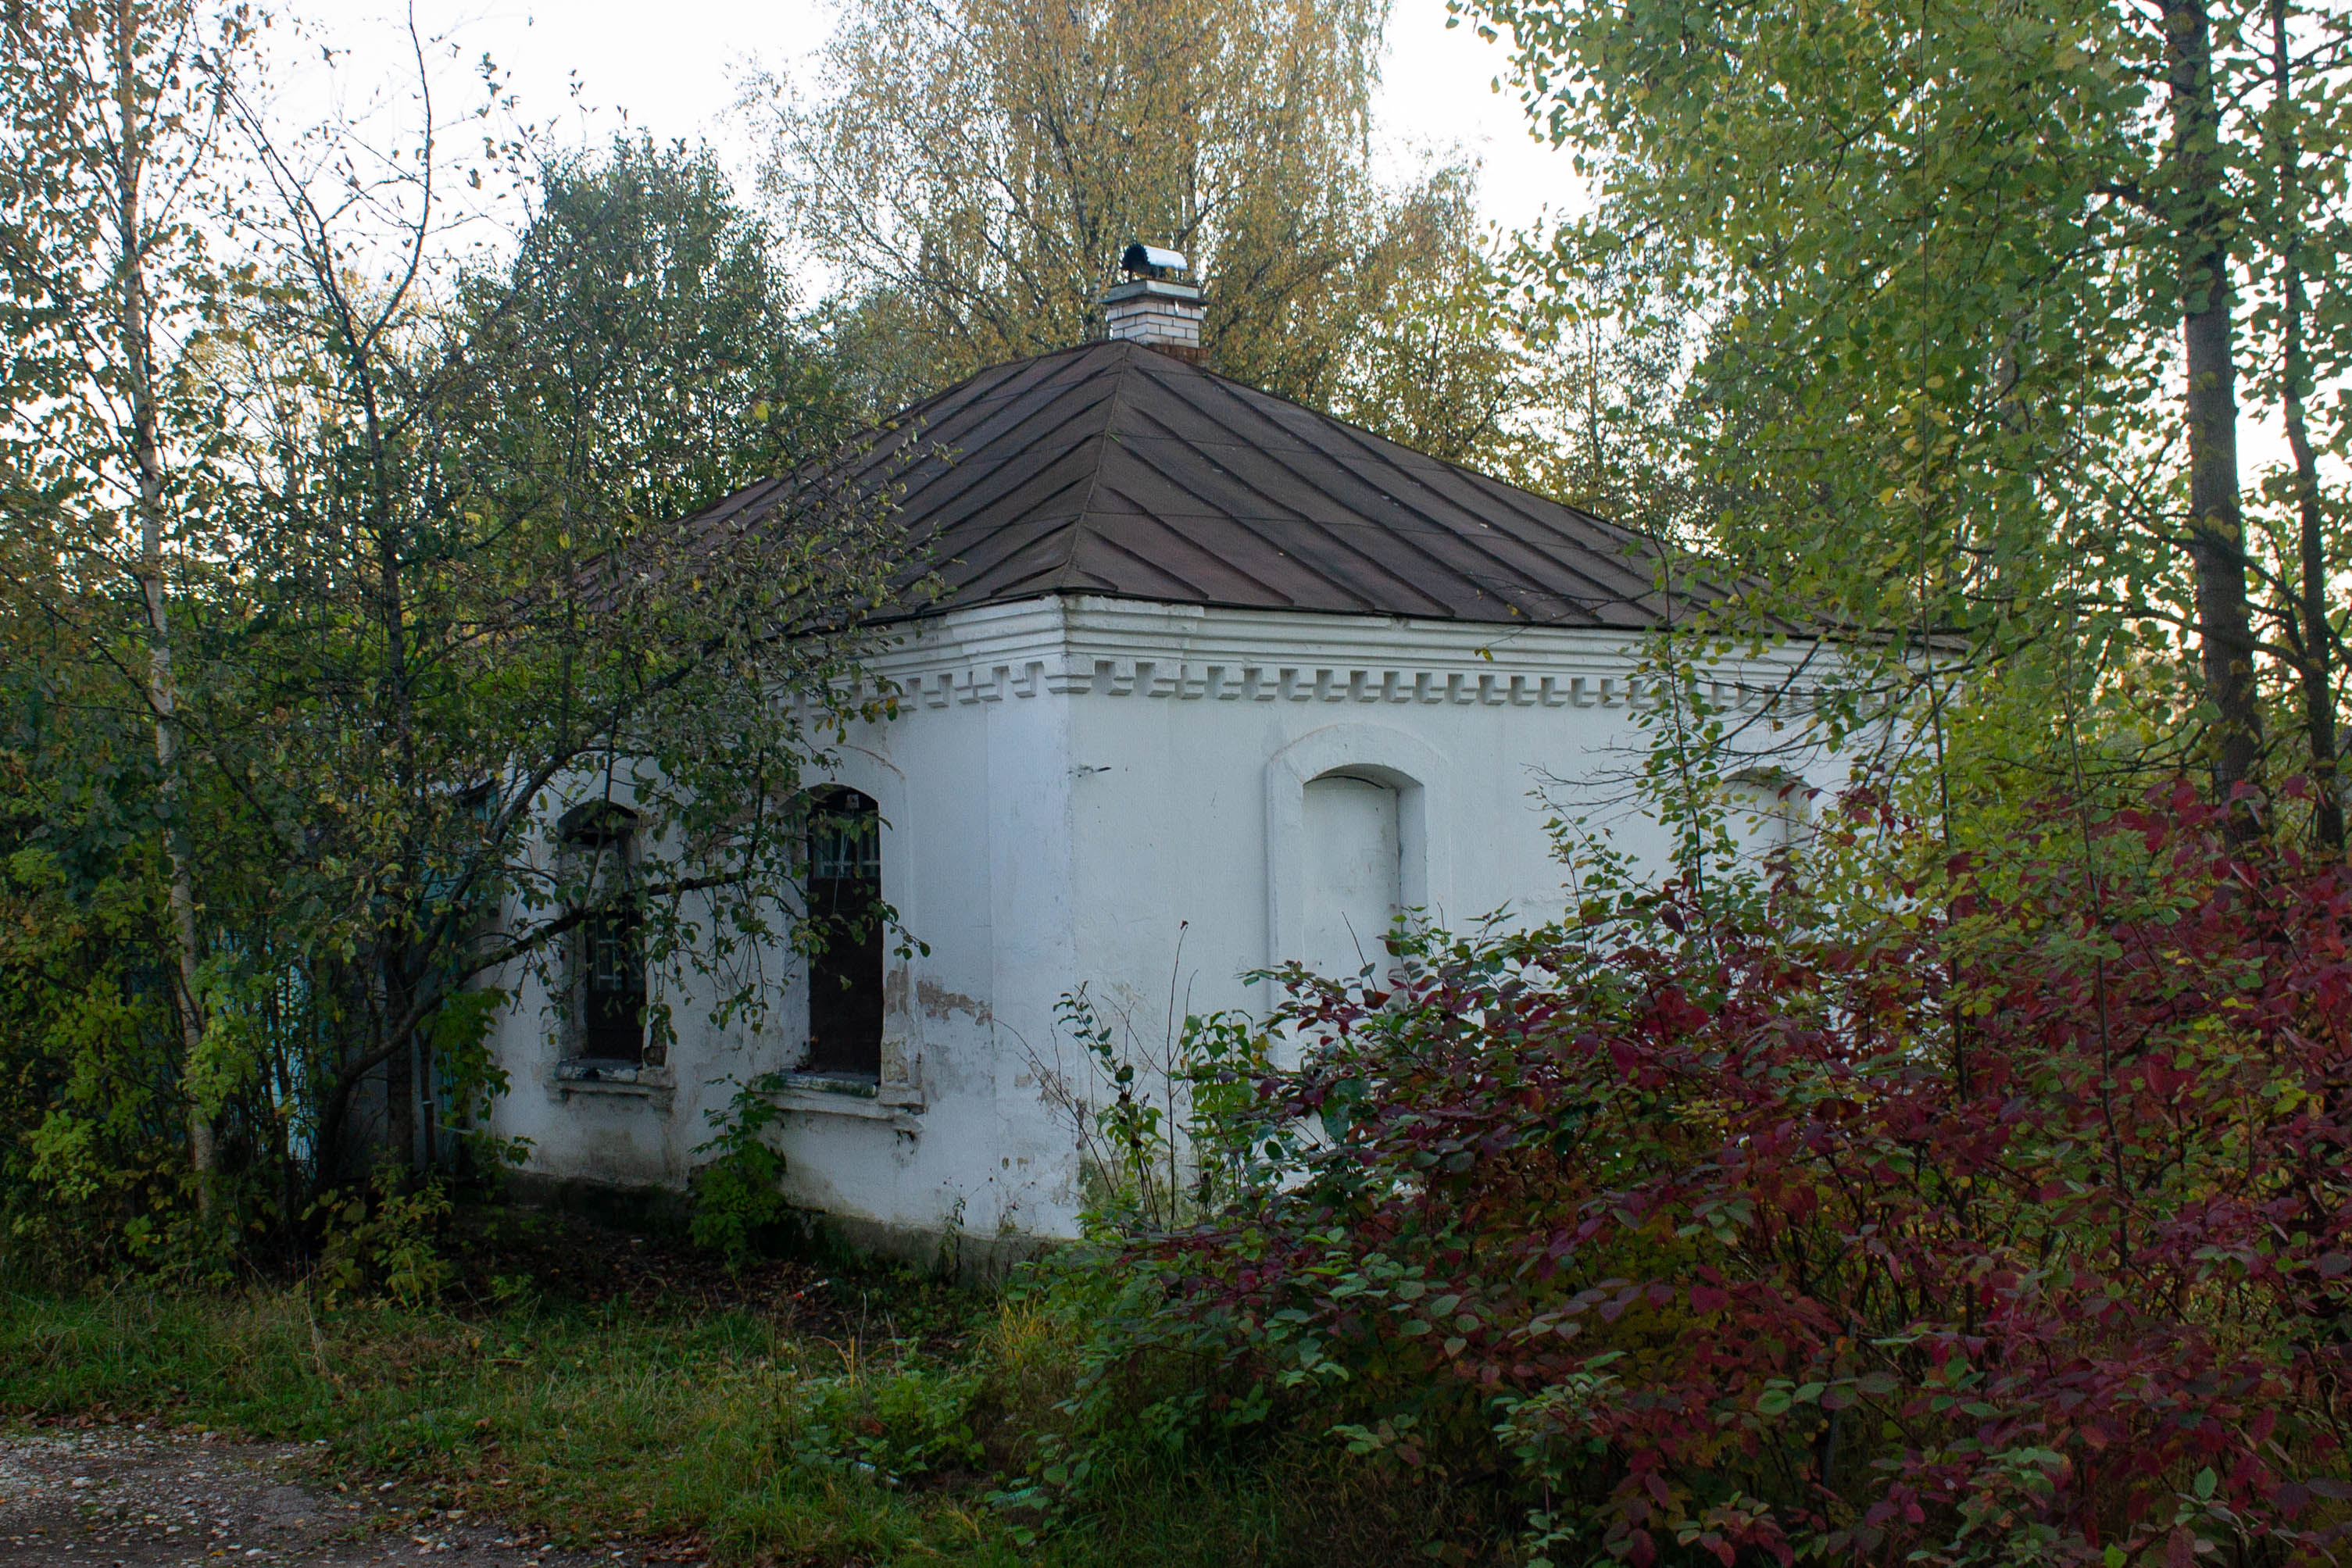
[(1073, 789)]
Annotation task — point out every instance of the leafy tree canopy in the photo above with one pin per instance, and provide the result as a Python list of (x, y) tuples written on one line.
[(1981, 290)]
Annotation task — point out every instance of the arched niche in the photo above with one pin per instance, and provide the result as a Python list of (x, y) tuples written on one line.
[(1768, 811), (1363, 778), (1352, 888)]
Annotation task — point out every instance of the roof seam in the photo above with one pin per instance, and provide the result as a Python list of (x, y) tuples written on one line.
[(951, 467), (1160, 522), (1285, 514), (1468, 541), (1370, 561), (1473, 543), (1108, 435)]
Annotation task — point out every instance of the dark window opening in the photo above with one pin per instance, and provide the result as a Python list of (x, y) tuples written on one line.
[(613, 1015), (845, 913), (609, 947)]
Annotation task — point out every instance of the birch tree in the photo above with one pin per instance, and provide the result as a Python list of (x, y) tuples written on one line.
[(110, 142), (972, 172), (392, 544)]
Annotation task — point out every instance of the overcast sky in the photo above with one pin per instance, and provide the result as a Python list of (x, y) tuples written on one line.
[(668, 64)]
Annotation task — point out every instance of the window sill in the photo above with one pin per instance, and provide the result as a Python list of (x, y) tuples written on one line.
[(613, 1079), (859, 1098), (599, 1070)]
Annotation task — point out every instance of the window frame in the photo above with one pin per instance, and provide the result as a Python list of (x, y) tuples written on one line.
[(861, 1062), (611, 834)]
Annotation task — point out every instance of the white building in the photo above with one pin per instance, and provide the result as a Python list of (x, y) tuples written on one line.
[(1211, 668)]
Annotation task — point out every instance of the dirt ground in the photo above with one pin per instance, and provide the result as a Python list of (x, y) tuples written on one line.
[(123, 1497)]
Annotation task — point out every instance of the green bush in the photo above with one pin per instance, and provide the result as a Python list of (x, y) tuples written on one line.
[(737, 1196), (382, 1242)]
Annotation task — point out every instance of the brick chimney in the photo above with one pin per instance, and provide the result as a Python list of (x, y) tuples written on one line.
[(1155, 307)]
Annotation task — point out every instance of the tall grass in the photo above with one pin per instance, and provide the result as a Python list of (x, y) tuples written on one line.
[(584, 1423), (589, 1422)]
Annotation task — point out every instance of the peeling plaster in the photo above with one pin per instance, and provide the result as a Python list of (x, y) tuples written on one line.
[(938, 1002)]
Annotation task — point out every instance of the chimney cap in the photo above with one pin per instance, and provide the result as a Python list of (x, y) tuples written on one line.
[(1151, 261)]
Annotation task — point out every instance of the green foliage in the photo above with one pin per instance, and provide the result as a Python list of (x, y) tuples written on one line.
[(890, 1426), (301, 685), (1936, 264), (382, 1243), (90, 1168), (642, 351), (1154, 1121), (738, 1193)]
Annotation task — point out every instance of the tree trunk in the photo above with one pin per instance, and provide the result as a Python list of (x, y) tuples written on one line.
[(2317, 672), (402, 1082), (399, 1084), (2216, 539), (136, 340), (2315, 642)]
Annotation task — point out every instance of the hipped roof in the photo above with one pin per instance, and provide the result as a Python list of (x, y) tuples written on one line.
[(1114, 470)]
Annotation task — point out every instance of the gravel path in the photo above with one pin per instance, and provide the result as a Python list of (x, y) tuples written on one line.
[(126, 1498)]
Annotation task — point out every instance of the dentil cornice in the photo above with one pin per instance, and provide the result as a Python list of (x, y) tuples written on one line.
[(1072, 646)]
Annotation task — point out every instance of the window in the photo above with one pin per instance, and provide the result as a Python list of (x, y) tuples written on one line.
[(608, 949), (613, 1021), (846, 922), (1353, 872)]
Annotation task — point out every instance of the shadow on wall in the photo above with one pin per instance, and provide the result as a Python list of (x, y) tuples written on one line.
[(945, 1253)]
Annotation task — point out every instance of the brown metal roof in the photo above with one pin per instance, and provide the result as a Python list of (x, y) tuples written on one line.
[(1111, 469)]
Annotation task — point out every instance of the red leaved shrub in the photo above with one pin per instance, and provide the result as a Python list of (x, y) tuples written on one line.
[(2009, 1227)]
